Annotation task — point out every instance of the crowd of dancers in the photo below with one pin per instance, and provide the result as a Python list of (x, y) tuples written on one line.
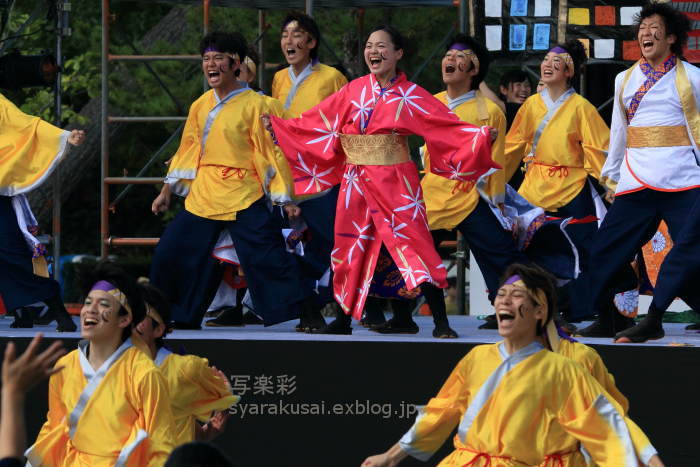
[(322, 166)]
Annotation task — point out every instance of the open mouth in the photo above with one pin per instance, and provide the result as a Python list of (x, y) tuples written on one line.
[(89, 322), (450, 69), (547, 73), (505, 316), (291, 52), (375, 61), (647, 44)]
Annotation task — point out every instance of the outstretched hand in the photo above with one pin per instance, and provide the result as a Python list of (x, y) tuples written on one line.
[(214, 427), (21, 373)]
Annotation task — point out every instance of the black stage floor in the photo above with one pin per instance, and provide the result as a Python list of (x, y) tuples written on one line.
[(318, 400)]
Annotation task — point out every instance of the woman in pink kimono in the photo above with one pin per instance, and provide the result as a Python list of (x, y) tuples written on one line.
[(357, 137)]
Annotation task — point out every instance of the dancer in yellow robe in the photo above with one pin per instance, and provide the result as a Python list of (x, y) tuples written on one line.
[(506, 398), (109, 406), (563, 141), (198, 392), (30, 149)]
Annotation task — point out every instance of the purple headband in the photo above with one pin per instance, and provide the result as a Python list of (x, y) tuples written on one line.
[(211, 48), (459, 46), (104, 286), (114, 291), (512, 279), (559, 50)]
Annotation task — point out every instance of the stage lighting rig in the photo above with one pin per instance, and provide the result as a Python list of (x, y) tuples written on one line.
[(21, 71)]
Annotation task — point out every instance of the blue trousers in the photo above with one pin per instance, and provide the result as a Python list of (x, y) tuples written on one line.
[(185, 270), (19, 286), (681, 266), (319, 215), (574, 297), (630, 223), (493, 247)]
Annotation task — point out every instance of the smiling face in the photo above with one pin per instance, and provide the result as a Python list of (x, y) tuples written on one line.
[(219, 69), (516, 313), (457, 67), (517, 92), (654, 43), (380, 55), (296, 44), (99, 317), (553, 69)]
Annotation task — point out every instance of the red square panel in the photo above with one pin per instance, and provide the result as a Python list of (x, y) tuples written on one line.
[(630, 50), (605, 15)]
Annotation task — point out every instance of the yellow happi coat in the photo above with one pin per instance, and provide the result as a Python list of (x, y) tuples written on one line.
[(505, 405), (127, 419), (195, 392), (238, 163), (573, 145), (30, 149), (321, 83), (563, 448), (449, 202)]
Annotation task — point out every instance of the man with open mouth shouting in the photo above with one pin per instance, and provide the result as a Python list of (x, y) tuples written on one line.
[(300, 86), (652, 168), (520, 401), (227, 167)]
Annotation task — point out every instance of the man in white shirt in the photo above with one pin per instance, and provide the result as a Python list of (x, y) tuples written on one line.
[(652, 169)]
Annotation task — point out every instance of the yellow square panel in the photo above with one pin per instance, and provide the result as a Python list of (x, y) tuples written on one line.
[(580, 16)]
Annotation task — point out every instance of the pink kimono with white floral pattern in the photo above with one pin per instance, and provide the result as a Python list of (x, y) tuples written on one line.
[(380, 203)]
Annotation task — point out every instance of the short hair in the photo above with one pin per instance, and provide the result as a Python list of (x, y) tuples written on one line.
[(534, 278), (157, 300), (115, 275), (307, 24), (227, 42), (396, 37), (578, 54), (197, 454), (481, 53), (675, 21), (514, 76)]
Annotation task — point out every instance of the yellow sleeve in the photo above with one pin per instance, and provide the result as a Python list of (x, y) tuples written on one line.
[(592, 416), (183, 166), (595, 138), (339, 81), (275, 86), (496, 183), (203, 390), (30, 149), (602, 375), (270, 163), (436, 420), (157, 417), (517, 142)]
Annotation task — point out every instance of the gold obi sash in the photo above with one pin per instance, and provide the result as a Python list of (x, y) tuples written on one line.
[(657, 136), (375, 149)]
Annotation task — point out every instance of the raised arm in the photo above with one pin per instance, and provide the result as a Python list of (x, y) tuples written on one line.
[(434, 422)]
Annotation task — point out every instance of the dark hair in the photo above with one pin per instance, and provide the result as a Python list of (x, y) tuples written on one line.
[(578, 54), (396, 37), (307, 24), (110, 272), (197, 454), (535, 277), (157, 300), (481, 53), (675, 21), (228, 42), (514, 76)]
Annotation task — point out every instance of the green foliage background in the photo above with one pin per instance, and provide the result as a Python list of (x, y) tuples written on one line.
[(134, 91)]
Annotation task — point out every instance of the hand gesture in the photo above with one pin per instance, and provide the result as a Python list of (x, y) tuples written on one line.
[(162, 201), (493, 132), (77, 137), (21, 373), (380, 460), (610, 196), (214, 427)]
